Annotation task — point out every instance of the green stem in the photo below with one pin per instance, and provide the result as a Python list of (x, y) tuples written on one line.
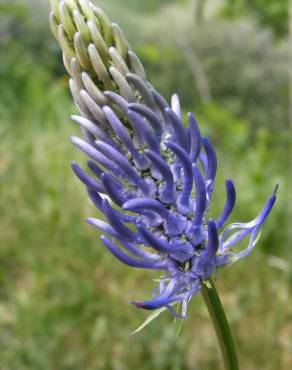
[(220, 323)]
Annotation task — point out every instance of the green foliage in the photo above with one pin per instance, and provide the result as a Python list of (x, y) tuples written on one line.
[(270, 13), (64, 300), (244, 68), (148, 6), (31, 59)]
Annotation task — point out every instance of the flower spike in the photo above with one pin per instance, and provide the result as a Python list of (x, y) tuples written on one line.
[(148, 168)]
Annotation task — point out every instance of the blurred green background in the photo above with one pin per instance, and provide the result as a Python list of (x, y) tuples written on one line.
[(64, 301)]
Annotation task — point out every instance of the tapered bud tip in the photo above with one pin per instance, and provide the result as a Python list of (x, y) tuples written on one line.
[(127, 205), (276, 189), (139, 304), (74, 165), (212, 225), (131, 106), (167, 143), (76, 36), (106, 109), (91, 48), (230, 186), (74, 139), (107, 242), (212, 231), (206, 140), (213, 241), (73, 117), (90, 220), (140, 227), (168, 110), (171, 145)]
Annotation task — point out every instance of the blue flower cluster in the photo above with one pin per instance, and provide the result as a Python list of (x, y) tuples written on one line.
[(153, 178)]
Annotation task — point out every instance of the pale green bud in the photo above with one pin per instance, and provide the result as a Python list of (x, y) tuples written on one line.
[(97, 57)]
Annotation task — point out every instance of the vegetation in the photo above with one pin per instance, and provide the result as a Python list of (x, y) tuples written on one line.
[(63, 299)]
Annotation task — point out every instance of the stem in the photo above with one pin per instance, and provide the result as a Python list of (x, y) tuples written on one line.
[(220, 323)]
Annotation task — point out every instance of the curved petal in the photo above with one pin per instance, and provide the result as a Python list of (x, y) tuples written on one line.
[(97, 156), (95, 130), (168, 193), (213, 240), (150, 116), (183, 203), (158, 301), (246, 228), (178, 129), (122, 133), (201, 196), (211, 169), (175, 223), (130, 261), (95, 198), (175, 105), (139, 251), (86, 179), (168, 296), (195, 137), (229, 205), (117, 224), (104, 226), (142, 127), (162, 104)]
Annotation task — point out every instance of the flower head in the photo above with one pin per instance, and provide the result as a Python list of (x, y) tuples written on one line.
[(160, 177), (157, 173)]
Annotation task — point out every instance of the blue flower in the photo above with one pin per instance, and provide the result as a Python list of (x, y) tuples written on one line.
[(153, 179)]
